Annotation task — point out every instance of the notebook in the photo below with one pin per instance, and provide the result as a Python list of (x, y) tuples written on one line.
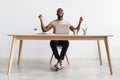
[(62, 29)]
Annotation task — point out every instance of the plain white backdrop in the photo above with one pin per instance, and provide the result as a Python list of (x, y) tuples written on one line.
[(21, 16)]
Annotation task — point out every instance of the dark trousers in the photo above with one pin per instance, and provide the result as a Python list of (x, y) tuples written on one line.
[(63, 43)]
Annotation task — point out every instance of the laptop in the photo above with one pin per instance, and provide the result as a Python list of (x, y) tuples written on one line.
[(62, 29)]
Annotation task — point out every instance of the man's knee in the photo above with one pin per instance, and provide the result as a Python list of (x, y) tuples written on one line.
[(67, 43), (53, 42)]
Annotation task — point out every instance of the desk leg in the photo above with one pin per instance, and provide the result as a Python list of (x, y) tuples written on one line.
[(99, 51), (11, 54), (20, 51), (108, 54)]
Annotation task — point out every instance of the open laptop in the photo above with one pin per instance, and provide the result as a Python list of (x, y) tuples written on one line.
[(62, 29)]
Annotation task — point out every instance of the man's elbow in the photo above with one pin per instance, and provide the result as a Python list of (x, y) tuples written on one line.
[(44, 30)]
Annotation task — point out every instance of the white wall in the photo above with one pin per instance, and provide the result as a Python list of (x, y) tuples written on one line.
[(21, 16)]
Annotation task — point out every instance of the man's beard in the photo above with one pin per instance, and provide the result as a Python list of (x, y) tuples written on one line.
[(60, 17)]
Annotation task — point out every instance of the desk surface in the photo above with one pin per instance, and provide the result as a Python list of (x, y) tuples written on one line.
[(58, 37), (43, 34)]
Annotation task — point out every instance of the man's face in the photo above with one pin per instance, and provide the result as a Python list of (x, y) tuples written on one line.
[(60, 12)]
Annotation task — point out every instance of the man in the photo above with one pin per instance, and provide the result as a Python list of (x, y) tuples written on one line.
[(63, 43)]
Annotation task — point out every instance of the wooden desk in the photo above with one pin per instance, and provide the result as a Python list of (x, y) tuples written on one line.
[(22, 37)]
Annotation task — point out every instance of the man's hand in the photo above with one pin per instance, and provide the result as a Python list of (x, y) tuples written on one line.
[(40, 17), (81, 19)]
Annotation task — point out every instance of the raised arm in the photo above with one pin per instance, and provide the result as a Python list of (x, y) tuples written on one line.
[(80, 21), (44, 28), (78, 27)]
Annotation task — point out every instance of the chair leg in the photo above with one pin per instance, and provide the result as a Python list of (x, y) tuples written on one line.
[(67, 59), (51, 59)]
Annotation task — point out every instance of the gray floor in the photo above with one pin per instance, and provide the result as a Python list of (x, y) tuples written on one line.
[(79, 69)]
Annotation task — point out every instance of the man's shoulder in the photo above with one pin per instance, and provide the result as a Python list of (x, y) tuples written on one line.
[(54, 20)]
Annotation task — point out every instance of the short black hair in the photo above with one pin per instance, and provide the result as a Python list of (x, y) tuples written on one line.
[(59, 9)]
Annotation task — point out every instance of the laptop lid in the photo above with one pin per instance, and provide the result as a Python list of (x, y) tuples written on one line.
[(62, 29)]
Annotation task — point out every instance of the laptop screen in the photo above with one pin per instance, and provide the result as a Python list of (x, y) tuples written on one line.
[(62, 29)]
